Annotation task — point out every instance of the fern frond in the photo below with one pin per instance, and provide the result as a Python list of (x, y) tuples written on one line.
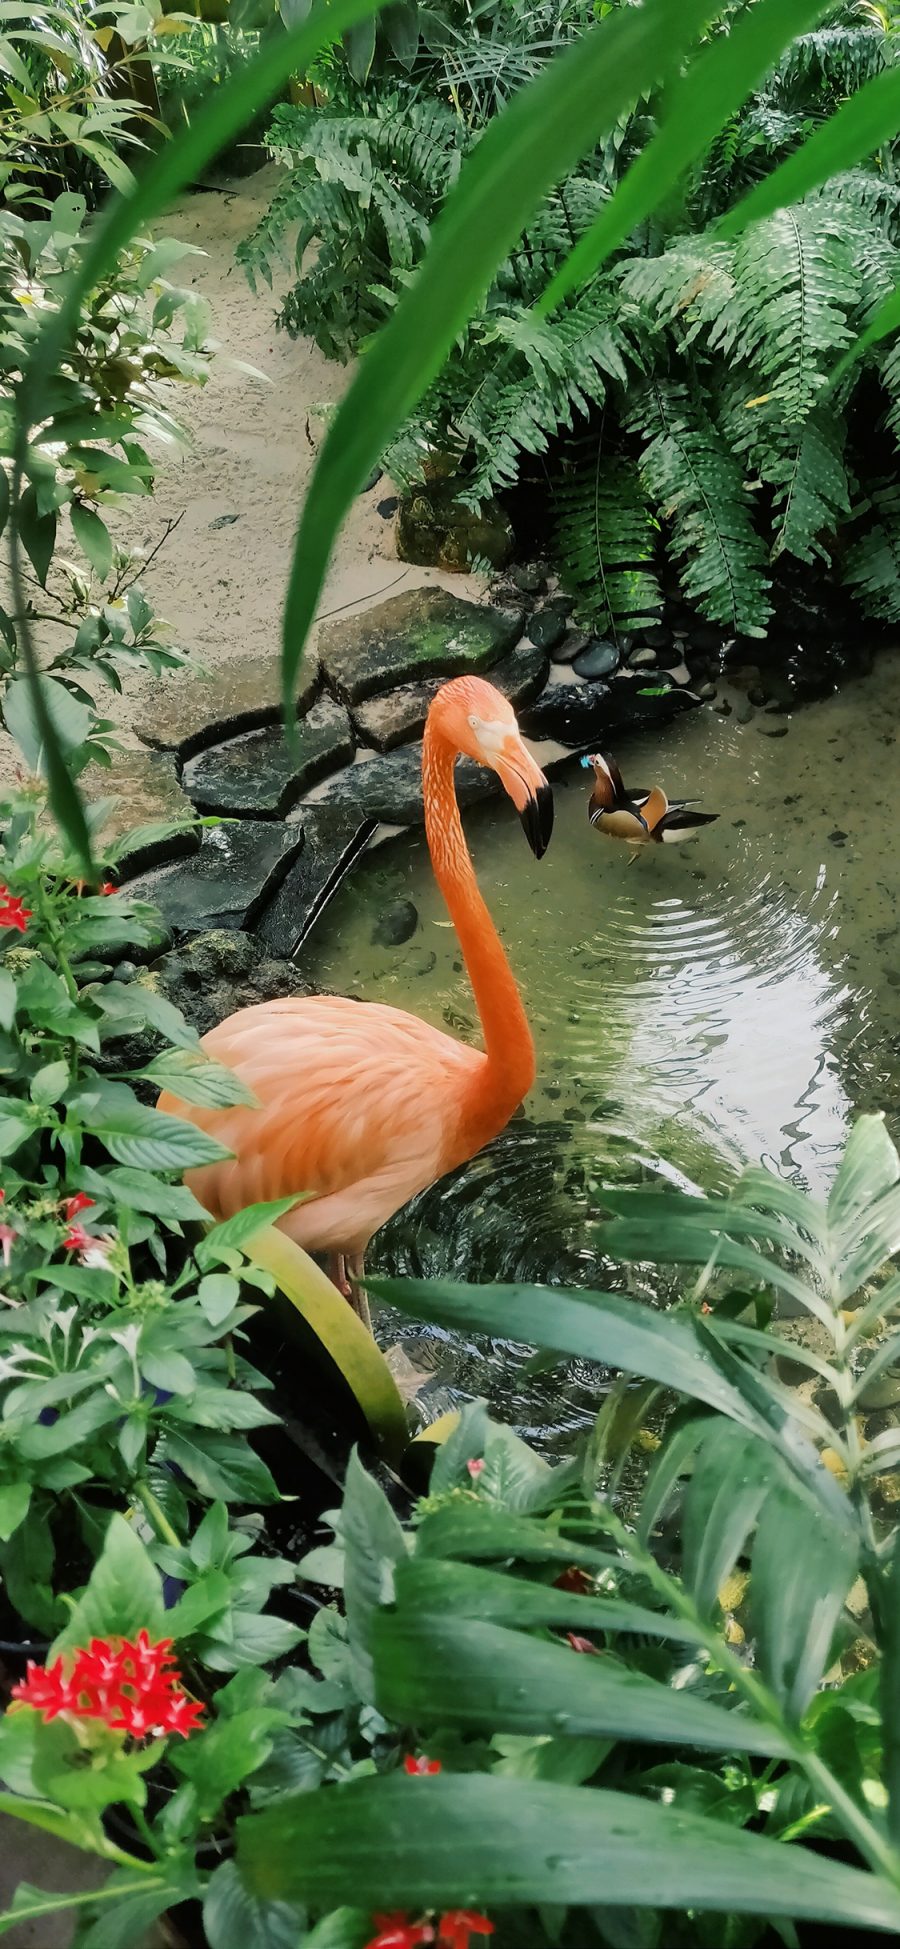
[(795, 289), (801, 462), (832, 61), (691, 283), (698, 486), (871, 565), (606, 540), (889, 373)]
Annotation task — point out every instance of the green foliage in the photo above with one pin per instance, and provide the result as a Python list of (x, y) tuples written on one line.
[(606, 540), (65, 115)]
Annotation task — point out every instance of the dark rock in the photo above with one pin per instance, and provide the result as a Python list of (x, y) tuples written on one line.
[(224, 521), (528, 578), (389, 787), (423, 633), (837, 837), (572, 645), (643, 658), (333, 840), (397, 925), (146, 800), (657, 637), (707, 691), (399, 717), (773, 730), (669, 656), (371, 480), (187, 712), (227, 882), (547, 626), (756, 695), (435, 530), (723, 706), (600, 659), (259, 775), (577, 714), (388, 506), (214, 974)]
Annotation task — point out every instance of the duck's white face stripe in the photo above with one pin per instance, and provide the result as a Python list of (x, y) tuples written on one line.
[(492, 734), (601, 765)]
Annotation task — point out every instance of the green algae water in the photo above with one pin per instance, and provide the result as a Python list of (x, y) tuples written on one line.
[(730, 1001)]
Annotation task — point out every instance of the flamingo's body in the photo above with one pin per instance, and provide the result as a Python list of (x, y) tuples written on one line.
[(361, 1105)]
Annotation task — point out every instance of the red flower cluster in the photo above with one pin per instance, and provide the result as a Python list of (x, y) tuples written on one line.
[(574, 1579), (131, 1687), (72, 1206), (453, 1930), (420, 1763), (12, 912), (77, 1239)]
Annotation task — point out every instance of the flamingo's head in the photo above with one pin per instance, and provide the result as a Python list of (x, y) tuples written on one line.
[(481, 723)]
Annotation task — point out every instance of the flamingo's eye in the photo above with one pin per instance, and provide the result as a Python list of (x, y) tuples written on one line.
[(474, 721)]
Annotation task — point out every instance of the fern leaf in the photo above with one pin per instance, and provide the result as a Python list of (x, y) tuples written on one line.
[(871, 565), (831, 62), (606, 540), (795, 290), (697, 484)]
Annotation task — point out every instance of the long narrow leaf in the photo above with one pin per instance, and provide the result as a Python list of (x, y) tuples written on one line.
[(426, 1843), (719, 81), (466, 1590), (536, 140)]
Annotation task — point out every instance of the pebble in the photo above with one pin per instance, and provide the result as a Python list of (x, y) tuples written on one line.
[(773, 730), (397, 925), (571, 646), (388, 506), (643, 659), (706, 691), (757, 696), (600, 659), (528, 579)]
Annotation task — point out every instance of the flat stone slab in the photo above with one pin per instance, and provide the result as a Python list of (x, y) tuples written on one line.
[(189, 711), (333, 840), (227, 883), (259, 776), (422, 633), (577, 714), (149, 800), (399, 717), (389, 788)]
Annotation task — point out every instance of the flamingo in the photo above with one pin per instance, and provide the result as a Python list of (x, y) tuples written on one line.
[(361, 1106)]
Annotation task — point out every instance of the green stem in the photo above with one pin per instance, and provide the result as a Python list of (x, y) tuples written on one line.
[(54, 1904), (157, 1515)]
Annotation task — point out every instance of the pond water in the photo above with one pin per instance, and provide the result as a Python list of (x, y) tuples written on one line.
[(732, 1000)]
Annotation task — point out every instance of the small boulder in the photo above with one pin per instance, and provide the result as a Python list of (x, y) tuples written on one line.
[(333, 840), (435, 530), (227, 882), (399, 717), (572, 645), (389, 787), (547, 625)]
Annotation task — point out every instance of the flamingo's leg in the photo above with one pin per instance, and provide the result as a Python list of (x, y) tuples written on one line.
[(356, 1267), (336, 1268), (345, 1270)]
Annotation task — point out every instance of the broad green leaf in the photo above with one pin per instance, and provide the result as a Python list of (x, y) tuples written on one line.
[(801, 1570), (220, 1466), (346, 1341), (889, 1686), (14, 1500), (37, 533), (491, 1843), (135, 1004), (374, 1544), (218, 1295), (464, 1590), (729, 1484), (93, 538), (234, 1919), (466, 1442), (869, 1167), (537, 139), (7, 999), (603, 1327), (123, 1593), (194, 1077), (344, 1928), (49, 1084), (169, 1370), (478, 1531), (13, 1132), (683, 1438), (714, 88), (447, 1671), (140, 1191), (230, 1750), (150, 1140), (359, 49), (203, 1601), (232, 1234), (71, 720), (401, 25)]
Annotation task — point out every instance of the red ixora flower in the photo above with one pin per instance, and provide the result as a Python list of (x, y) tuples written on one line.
[(109, 886), (77, 1239), (475, 1466), (398, 1932), (80, 1202), (581, 1644), (12, 912), (131, 1686), (458, 1925), (420, 1763)]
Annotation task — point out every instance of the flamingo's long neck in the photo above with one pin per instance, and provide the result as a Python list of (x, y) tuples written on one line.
[(509, 1068)]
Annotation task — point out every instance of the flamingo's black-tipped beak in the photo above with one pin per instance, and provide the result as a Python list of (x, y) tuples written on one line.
[(537, 819)]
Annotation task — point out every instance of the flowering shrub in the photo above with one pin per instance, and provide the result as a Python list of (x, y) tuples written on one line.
[(133, 1688)]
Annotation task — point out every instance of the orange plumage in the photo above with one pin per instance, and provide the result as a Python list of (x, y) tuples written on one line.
[(361, 1105)]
